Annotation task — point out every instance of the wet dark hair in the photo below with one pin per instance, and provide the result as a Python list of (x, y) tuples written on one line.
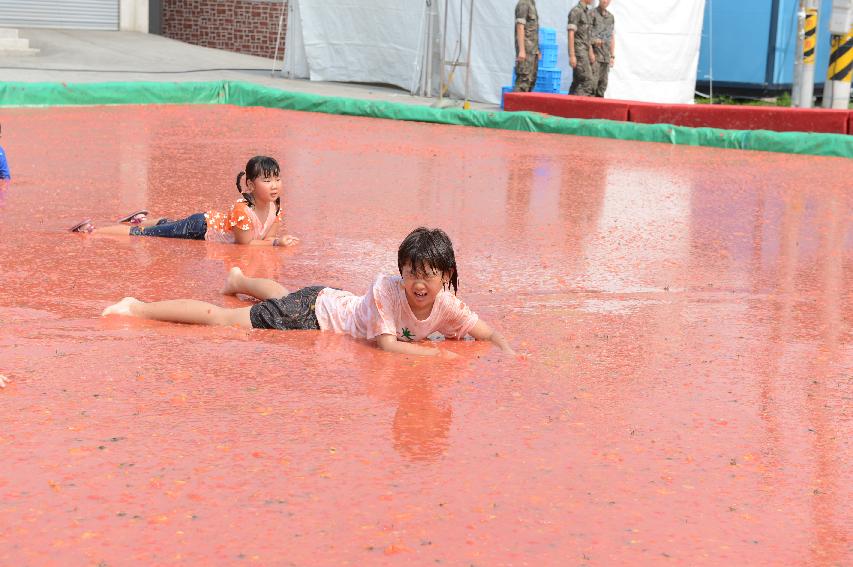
[(256, 167), (429, 246)]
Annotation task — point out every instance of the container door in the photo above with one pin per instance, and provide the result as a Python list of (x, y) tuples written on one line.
[(66, 14)]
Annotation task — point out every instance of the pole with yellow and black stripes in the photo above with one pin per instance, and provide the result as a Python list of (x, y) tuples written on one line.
[(836, 92), (806, 90)]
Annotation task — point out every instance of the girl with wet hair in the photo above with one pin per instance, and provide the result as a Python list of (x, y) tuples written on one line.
[(426, 249), (395, 312), (253, 219)]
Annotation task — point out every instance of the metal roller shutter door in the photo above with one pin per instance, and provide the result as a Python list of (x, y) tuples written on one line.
[(68, 14)]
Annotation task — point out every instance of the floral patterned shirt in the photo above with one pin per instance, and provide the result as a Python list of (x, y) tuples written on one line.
[(221, 226)]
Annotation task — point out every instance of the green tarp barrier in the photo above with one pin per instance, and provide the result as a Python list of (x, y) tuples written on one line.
[(248, 94)]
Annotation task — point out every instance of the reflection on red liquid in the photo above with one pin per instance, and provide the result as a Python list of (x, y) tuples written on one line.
[(5, 186), (687, 312)]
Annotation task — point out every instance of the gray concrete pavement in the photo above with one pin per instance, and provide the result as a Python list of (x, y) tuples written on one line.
[(98, 56)]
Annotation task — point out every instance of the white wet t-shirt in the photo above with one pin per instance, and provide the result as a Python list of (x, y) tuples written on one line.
[(383, 310)]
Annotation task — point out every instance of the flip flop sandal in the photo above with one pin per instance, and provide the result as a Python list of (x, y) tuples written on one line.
[(83, 226), (135, 217)]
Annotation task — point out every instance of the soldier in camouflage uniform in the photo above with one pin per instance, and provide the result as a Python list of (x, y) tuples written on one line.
[(526, 45), (581, 57), (603, 45)]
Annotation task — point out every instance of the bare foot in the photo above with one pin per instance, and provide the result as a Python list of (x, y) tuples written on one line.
[(135, 217), (85, 226), (232, 282), (121, 308)]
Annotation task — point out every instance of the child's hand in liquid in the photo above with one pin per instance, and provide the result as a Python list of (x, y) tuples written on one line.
[(446, 354), (286, 240), (520, 356), (3, 381), (509, 354)]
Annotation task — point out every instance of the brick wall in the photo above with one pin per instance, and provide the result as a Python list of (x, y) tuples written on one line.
[(244, 26)]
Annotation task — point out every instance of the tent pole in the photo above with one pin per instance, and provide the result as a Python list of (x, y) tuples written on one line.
[(430, 46), (466, 105), (443, 53), (418, 88), (277, 42)]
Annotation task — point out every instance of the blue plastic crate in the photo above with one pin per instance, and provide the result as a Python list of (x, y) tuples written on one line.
[(549, 55), (547, 81), (550, 83), (546, 87), (547, 36), (548, 74), (543, 72), (504, 90)]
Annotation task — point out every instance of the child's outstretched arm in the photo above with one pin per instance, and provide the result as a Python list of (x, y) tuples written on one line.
[(483, 332), (389, 343), (244, 237), (273, 235)]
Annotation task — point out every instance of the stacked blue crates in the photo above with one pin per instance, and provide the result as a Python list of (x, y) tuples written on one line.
[(549, 77)]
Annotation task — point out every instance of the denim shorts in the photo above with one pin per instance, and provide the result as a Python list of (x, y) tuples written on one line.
[(293, 312), (194, 227)]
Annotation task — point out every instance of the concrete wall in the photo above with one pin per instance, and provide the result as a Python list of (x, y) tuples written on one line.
[(243, 26), (133, 15)]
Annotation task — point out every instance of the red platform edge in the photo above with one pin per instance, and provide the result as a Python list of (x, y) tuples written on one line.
[(568, 106), (728, 117)]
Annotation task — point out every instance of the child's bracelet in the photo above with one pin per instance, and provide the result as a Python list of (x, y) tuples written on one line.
[(276, 242)]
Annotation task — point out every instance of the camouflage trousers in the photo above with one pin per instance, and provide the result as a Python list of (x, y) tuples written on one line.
[(525, 74), (601, 75), (584, 77)]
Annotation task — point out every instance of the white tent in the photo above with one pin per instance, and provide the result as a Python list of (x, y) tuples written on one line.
[(399, 42)]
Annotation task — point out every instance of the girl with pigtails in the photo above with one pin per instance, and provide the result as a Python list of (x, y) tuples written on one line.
[(253, 219)]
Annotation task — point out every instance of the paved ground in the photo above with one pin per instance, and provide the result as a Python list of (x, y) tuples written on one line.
[(96, 56)]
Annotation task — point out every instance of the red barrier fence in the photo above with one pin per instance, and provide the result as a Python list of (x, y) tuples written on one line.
[(728, 117)]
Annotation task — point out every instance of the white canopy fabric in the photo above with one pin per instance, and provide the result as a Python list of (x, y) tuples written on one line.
[(397, 41), (657, 50), (370, 41)]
